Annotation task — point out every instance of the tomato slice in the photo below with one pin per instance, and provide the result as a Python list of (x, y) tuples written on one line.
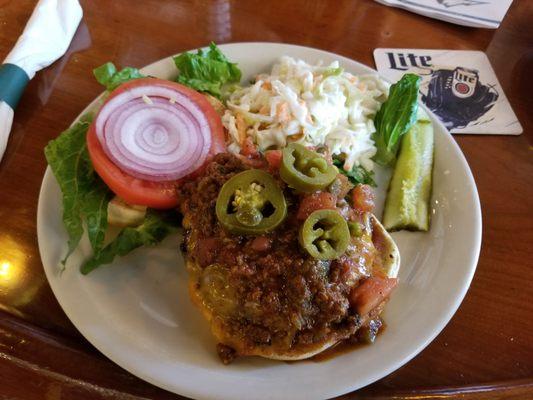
[(139, 191)]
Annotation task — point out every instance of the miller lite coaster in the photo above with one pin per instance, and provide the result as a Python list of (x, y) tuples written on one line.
[(460, 87), (475, 13)]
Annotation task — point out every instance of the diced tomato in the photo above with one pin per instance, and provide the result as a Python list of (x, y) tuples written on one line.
[(249, 149), (273, 158), (316, 201), (368, 295), (143, 192), (363, 198), (261, 244)]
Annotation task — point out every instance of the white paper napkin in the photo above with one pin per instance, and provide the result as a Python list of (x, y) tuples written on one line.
[(46, 37), (475, 13)]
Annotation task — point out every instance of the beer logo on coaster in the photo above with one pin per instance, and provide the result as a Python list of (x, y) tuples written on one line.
[(458, 98), (460, 87)]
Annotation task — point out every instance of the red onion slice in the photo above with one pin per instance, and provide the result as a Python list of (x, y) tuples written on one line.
[(154, 132)]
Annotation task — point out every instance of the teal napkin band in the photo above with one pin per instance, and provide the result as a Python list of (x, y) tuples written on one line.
[(13, 81)]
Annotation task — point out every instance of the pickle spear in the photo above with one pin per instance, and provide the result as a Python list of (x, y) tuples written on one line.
[(407, 202)]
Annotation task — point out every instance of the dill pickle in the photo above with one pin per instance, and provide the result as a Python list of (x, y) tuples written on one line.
[(407, 202)]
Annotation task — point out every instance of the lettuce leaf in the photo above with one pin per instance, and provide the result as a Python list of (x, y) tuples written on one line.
[(85, 200), (358, 174), (156, 226), (206, 71), (395, 118), (108, 76), (85, 196)]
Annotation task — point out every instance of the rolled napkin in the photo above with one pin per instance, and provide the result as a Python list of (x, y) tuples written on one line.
[(46, 37)]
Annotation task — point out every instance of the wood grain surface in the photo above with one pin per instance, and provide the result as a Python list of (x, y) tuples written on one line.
[(485, 352)]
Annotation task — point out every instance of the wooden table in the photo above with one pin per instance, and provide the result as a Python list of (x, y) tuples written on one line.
[(486, 351)]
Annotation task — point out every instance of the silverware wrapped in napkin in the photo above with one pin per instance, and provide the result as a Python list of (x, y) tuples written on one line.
[(46, 37)]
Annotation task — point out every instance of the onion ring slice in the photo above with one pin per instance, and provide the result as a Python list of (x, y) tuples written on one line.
[(154, 131)]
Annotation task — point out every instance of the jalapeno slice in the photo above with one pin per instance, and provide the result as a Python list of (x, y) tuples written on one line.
[(305, 170), (325, 235), (251, 202)]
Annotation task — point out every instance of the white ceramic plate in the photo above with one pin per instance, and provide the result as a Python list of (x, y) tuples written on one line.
[(137, 311)]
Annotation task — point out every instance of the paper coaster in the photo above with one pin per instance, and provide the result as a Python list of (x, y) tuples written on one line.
[(460, 87), (476, 13)]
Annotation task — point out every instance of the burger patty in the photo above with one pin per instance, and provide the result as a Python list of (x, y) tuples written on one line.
[(281, 296)]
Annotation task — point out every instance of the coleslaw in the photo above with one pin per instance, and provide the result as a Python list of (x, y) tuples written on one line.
[(314, 105)]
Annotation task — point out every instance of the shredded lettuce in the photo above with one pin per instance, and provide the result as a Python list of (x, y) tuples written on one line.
[(85, 196), (358, 174), (156, 226), (395, 118), (207, 71), (108, 76)]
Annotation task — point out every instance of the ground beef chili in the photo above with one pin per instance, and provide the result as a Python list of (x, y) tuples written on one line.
[(283, 297)]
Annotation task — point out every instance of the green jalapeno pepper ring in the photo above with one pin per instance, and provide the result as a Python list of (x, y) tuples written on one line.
[(325, 235), (244, 200), (305, 170)]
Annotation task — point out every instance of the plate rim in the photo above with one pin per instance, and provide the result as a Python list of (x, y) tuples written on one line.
[(332, 390)]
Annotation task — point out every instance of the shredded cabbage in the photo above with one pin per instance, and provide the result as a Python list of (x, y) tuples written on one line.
[(314, 105)]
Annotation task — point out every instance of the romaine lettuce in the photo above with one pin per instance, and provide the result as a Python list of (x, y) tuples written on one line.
[(156, 226), (85, 196), (206, 71), (395, 118), (108, 76), (85, 201)]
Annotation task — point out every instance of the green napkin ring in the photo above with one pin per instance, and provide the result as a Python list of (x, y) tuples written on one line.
[(13, 81)]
